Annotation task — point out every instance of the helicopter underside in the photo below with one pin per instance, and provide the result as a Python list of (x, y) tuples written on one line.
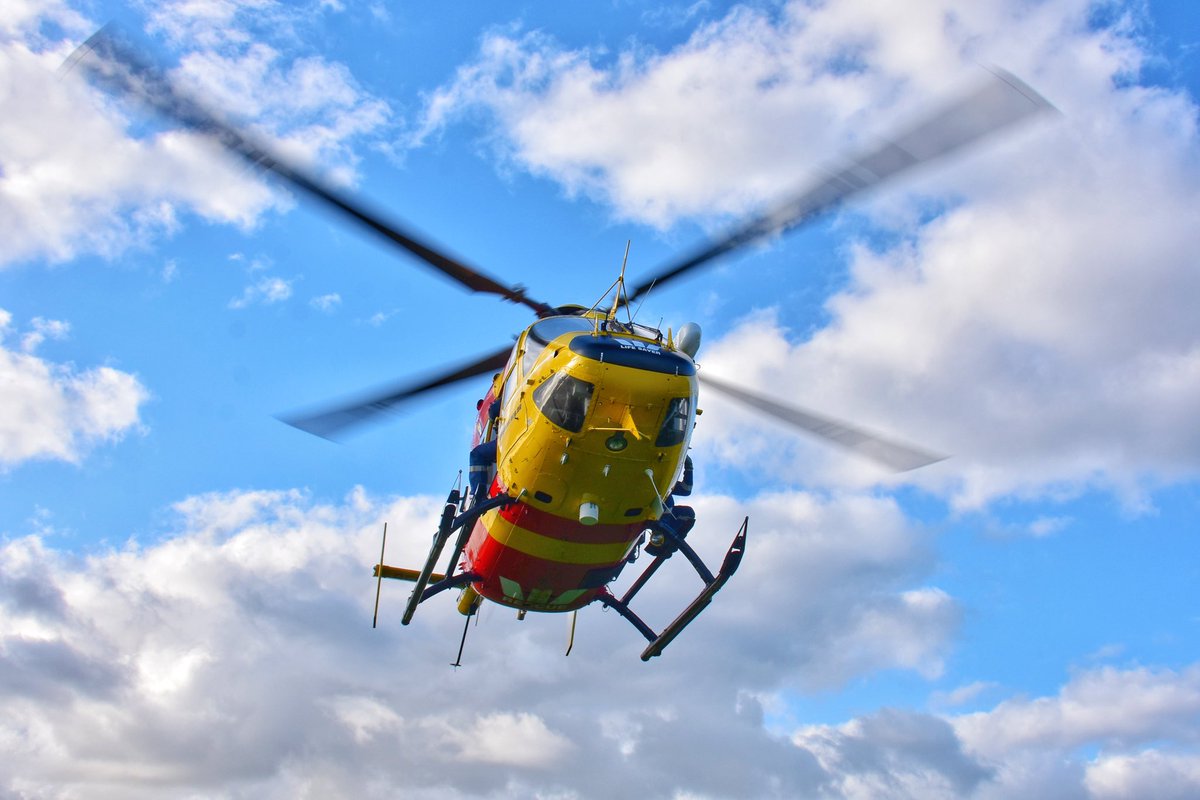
[(534, 560), (497, 565)]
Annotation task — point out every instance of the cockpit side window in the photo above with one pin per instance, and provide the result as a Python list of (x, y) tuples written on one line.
[(677, 423), (533, 349), (564, 399), (513, 377)]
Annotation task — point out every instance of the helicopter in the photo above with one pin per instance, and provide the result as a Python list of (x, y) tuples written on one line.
[(580, 447)]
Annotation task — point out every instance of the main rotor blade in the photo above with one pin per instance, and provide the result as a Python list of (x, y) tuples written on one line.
[(1000, 102), (334, 422), (887, 452), (115, 67)]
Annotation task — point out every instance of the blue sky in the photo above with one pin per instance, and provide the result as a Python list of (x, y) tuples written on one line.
[(184, 580)]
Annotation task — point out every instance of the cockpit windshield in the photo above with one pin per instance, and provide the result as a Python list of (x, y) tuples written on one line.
[(564, 399), (547, 330), (637, 329)]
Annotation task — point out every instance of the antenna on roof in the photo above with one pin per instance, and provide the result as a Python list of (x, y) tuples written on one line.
[(612, 315), (638, 310)]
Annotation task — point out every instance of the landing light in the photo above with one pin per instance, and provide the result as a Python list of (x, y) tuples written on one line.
[(616, 442)]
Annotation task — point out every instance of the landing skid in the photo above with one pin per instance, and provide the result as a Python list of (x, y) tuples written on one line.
[(712, 585)]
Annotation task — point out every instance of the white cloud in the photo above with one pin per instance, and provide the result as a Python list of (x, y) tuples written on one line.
[(379, 317), (212, 23), (54, 411), (1142, 722), (364, 716), (520, 740), (24, 18), (1123, 707), (962, 695), (738, 113), (234, 57), (58, 200), (203, 662), (1048, 526), (1164, 776), (1045, 339), (311, 108), (43, 329), (892, 754), (849, 605), (647, 138), (326, 302), (268, 290)]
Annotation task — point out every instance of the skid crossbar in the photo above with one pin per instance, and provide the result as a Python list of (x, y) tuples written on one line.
[(712, 585)]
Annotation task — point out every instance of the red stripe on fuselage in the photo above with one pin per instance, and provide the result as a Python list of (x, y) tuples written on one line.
[(542, 577), (571, 530)]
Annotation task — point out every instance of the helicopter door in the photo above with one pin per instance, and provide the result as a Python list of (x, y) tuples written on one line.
[(514, 388)]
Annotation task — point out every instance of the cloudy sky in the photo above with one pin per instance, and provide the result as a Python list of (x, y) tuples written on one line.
[(185, 591)]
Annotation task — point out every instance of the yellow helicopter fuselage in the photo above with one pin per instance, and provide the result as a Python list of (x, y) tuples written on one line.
[(591, 433)]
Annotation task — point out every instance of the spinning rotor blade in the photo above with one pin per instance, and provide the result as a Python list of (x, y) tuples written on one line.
[(889, 453), (336, 421), (115, 67), (998, 103)]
